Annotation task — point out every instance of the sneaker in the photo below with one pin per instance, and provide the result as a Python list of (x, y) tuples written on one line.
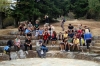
[(68, 50), (26, 52)]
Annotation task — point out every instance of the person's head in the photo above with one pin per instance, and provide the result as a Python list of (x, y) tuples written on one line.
[(28, 37), (87, 31), (66, 32), (29, 22), (75, 37), (17, 36), (69, 24), (37, 21), (40, 42)]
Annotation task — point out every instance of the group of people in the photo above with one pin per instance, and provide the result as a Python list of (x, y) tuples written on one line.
[(71, 38), (78, 37)]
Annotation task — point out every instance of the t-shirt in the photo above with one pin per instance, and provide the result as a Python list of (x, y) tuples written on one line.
[(70, 27), (76, 41), (40, 32), (17, 41), (36, 25), (27, 41), (65, 35)]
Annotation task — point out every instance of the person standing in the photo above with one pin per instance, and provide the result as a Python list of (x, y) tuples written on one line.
[(62, 23), (46, 20), (87, 38)]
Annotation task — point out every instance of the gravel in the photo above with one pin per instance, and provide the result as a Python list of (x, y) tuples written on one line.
[(48, 62)]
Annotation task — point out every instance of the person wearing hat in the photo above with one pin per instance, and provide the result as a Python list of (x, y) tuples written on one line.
[(41, 49)]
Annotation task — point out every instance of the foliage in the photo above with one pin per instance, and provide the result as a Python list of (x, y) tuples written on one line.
[(8, 21)]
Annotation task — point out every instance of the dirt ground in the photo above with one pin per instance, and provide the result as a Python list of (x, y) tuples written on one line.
[(93, 25)]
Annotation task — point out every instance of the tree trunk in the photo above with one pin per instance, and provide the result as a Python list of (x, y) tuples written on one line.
[(1, 23)]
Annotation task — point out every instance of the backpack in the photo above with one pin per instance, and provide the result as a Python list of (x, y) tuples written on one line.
[(6, 48), (9, 43)]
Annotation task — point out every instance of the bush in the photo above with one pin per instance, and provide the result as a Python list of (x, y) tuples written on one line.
[(9, 21)]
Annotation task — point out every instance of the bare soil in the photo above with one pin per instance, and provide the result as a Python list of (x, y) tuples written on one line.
[(93, 25)]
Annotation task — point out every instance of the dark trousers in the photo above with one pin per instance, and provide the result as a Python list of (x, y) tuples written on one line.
[(8, 52), (27, 46), (46, 41), (88, 41)]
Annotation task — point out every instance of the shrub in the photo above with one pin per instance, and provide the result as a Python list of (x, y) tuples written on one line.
[(9, 21)]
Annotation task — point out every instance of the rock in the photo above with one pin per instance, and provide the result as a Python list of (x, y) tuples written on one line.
[(14, 55), (21, 54), (31, 54), (4, 57)]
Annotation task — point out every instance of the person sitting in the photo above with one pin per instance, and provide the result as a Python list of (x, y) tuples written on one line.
[(76, 43), (46, 37), (41, 49), (21, 29), (62, 45), (53, 38), (60, 36), (17, 43), (70, 27), (28, 43), (30, 25), (41, 33), (29, 34), (70, 43), (65, 35), (36, 26)]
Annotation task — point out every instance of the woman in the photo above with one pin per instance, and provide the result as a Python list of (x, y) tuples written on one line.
[(87, 38), (21, 29), (53, 38), (65, 35), (17, 43), (46, 37)]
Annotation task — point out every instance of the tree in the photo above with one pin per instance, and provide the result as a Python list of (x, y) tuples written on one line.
[(94, 9), (3, 7)]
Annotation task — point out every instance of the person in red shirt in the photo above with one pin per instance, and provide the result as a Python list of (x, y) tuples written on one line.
[(46, 37)]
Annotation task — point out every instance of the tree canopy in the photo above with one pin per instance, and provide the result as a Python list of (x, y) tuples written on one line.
[(33, 9)]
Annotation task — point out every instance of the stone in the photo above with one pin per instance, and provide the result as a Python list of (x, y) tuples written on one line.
[(4, 57), (21, 54), (31, 54), (14, 55)]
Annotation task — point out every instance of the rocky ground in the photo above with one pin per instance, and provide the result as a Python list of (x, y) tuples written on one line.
[(48, 62)]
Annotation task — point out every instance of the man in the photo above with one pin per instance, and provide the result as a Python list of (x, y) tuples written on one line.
[(41, 49), (28, 43)]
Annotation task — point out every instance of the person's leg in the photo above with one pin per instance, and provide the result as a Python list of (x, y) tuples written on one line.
[(77, 47), (73, 46), (39, 53), (25, 47), (30, 47), (68, 47), (47, 41), (44, 55)]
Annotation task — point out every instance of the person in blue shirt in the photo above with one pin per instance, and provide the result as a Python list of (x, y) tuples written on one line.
[(87, 38), (41, 33)]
